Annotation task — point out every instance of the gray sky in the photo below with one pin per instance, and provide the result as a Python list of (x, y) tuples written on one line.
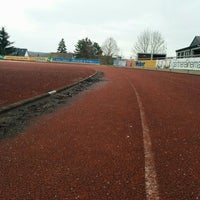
[(39, 25)]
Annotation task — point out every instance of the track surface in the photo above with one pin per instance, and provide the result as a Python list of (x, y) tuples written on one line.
[(94, 148), (22, 80)]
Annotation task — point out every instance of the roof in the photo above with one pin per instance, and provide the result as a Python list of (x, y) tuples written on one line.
[(38, 54), (195, 43), (62, 55), (184, 49), (18, 52)]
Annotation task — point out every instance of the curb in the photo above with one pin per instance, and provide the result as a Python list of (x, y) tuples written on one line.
[(30, 100)]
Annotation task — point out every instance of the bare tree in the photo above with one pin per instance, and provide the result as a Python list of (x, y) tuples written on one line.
[(157, 43), (150, 42), (143, 42), (110, 47)]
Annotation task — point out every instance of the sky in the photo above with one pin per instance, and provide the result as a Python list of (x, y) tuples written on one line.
[(39, 25)]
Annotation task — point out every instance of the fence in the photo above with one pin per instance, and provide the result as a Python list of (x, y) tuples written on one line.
[(48, 59), (123, 63), (173, 63), (71, 60), (192, 63)]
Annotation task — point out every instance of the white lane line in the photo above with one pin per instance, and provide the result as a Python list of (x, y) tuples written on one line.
[(151, 184), (52, 92)]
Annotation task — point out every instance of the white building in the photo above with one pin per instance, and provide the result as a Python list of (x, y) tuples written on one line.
[(192, 51)]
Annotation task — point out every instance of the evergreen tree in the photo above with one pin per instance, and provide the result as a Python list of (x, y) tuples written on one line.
[(62, 47), (86, 49), (97, 49), (5, 44)]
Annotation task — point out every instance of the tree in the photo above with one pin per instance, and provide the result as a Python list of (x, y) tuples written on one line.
[(110, 47), (62, 47), (150, 42), (86, 49), (97, 49), (5, 44), (157, 43)]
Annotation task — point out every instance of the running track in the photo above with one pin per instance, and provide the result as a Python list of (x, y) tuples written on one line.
[(135, 136), (22, 80)]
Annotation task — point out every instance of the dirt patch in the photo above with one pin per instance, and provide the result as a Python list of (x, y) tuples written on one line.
[(15, 120)]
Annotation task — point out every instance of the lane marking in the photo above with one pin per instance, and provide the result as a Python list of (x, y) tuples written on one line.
[(52, 92), (151, 184)]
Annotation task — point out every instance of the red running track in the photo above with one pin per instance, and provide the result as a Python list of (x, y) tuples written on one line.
[(94, 148), (22, 80)]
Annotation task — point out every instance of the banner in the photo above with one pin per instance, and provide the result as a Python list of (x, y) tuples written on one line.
[(163, 64), (181, 63), (129, 63), (49, 59), (1, 57), (19, 58), (119, 63), (71, 60), (148, 64), (41, 59), (139, 64)]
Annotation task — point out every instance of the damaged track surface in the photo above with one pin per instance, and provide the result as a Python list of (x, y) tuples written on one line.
[(14, 120)]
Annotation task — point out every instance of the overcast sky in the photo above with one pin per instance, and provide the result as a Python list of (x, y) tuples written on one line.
[(39, 25)]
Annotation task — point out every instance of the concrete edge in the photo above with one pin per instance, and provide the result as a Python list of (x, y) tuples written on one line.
[(35, 98)]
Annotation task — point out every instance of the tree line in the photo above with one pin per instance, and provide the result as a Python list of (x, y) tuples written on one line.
[(147, 42), (87, 49)]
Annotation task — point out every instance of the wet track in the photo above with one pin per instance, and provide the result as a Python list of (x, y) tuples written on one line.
[(133, 136)]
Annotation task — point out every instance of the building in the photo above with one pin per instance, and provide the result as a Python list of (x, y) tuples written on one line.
[(52, 54), (38, 54), (62, 55), (149, 56), (192, 51), (19, 52)]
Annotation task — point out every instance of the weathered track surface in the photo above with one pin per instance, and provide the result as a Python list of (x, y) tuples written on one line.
[(172, 106), (94, 148), (14, 118), (22, 80)]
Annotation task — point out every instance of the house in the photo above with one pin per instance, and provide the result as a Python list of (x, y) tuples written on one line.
[(38, 54), (19, 52), (192, 51), (62, 55)]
